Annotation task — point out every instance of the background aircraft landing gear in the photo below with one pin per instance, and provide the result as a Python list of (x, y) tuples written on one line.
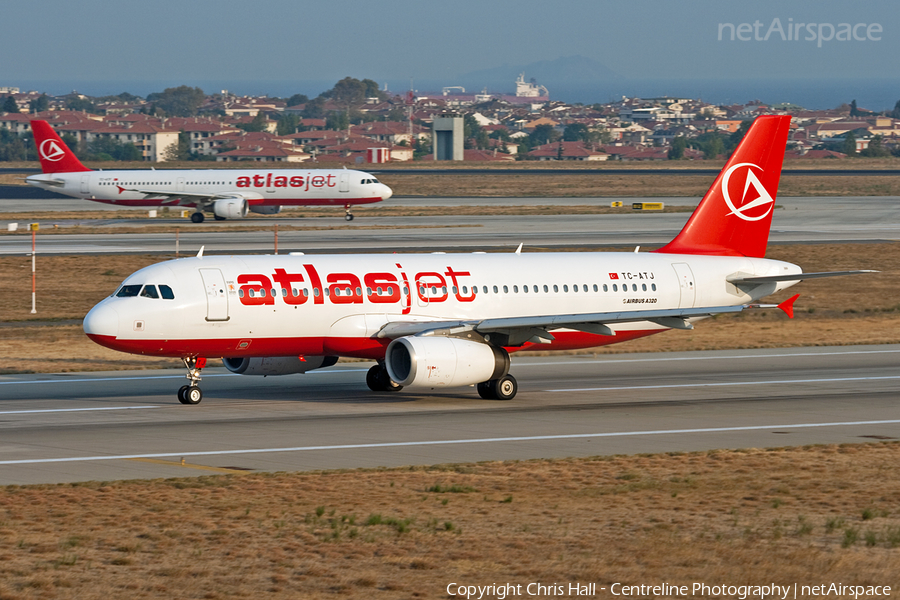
[(197, 217), (504, 388), (349, 215), (191, 394), (378, 380)]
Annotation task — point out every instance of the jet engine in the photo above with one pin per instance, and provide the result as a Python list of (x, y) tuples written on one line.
[(443, 362), (277, 365), (265, 209), (230, 208)]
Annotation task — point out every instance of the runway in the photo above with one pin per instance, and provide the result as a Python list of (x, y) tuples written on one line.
[(797, 220), (90, 426)]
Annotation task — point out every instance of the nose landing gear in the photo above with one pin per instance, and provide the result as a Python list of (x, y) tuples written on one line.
[(191, 394), (349, 215)]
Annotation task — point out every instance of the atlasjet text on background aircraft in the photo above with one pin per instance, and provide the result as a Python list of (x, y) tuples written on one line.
[(440, 320), (226, 193)]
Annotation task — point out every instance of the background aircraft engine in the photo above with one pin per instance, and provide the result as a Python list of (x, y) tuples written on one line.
[(277, 365), (230, 208), (267, 209), (443, 362)]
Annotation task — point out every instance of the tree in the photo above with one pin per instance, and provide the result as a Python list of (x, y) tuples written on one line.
[(735, 138), (543, 134), (288, 124), (80, 104), (314, 109), (576, 132), (471, 130), (338, 121), (895, 114), (297, 99), (181, 150), (676, 152), (259, 123), (183, 101), (854, 112), (849, 144), (875, 148), (109, 149), (9, 105), (39, 104)]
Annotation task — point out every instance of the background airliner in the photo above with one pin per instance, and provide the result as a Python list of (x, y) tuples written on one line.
[(440, 320), (226, 193)]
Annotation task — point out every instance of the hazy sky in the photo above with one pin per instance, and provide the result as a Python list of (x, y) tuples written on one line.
[(196, 41)]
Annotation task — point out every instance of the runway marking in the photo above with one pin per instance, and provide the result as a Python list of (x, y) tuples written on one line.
[(533, 438), (60, 410), (735, 357), (723, 384), (150, 377)]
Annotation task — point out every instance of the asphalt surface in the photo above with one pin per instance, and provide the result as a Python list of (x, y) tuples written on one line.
[(104, 426), (796, 220)]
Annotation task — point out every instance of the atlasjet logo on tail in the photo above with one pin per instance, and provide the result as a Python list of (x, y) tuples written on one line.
[(50, 150), (761, 197)]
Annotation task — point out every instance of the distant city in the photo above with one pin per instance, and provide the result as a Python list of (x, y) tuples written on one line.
[(358, 121)]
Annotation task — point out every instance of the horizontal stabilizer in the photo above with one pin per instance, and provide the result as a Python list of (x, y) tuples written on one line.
[(738, 280)]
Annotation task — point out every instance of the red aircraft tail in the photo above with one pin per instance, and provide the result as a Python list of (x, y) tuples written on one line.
[(734, 216), (55, 156)]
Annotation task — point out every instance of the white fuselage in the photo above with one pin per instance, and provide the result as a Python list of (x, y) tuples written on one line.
[(281, 187), (336, 304)]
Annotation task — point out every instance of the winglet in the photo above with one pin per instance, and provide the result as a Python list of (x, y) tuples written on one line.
[(519, 249), (200, 253), (788, 306)]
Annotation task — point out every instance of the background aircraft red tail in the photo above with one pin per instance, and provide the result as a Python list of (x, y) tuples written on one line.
[(53, 153), (734, 216)]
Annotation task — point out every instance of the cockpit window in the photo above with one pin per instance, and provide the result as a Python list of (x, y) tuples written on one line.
[(149, 291), (373, 181), (166, 292), (127, 291)]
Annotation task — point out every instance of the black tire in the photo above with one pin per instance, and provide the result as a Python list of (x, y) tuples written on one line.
[(192, 395), (348, 217), (197, 217), (373, 380), (181, 392), (505, 388), (485, 390)]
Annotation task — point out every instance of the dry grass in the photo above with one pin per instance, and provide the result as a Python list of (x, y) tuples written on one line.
[(860, 310), (752, 517)]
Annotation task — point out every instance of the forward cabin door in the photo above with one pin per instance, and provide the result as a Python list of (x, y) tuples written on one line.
[(686, 284), (344, 185), (216, 298)]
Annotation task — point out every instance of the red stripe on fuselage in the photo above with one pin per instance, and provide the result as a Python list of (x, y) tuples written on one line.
[(330, 346), (266, 202)]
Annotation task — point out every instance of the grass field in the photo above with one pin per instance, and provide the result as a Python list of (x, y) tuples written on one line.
[(808, 515)]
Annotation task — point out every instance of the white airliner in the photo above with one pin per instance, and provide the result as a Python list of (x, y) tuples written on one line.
[(439, 320), (226, 193)]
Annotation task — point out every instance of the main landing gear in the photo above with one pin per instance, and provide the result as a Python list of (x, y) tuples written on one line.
[(349, 215), (197, 217), (378, 379), (504, 388), (191, 394)]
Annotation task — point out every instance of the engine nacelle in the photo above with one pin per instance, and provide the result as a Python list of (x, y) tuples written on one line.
[(230, 208), (277, 365), (267, 209), (443, 362)]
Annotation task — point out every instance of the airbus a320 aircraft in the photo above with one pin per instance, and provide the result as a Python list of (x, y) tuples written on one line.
[(226, 193), (442, 320)]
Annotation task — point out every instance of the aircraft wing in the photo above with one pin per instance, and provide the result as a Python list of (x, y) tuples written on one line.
[(740, 280), (518, 330)]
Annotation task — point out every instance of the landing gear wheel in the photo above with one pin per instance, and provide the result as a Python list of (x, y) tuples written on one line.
[(348, 217), (378, 380), (504, 388), (197, 217), (190, 395)]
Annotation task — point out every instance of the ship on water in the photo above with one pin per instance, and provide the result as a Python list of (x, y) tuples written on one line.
[(527, 92)]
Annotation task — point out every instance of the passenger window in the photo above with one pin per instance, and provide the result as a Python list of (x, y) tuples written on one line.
[(584, 288), (515, 289), (453, 289), (575, 288), (149, 292), (535, 289), (595, 288), (615, 288), (644, 287), (546, 289), (525, 288), (316, 292), (566, 288), (653, 286), (633, 287), (129, 291), (166, 292), (505, 290), (605, 288), (555, 289), (306, 292), (484, 289), (283, 293)]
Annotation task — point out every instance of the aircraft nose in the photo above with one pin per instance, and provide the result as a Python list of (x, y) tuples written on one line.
[(103, 321), (386, 192)]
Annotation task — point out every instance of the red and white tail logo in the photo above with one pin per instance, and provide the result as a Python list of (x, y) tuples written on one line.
[(734, 217), (53, 153)]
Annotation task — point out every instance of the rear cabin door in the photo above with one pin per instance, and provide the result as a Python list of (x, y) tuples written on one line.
[(85, 184), (216, 298), (344, 185), (686, 283)]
